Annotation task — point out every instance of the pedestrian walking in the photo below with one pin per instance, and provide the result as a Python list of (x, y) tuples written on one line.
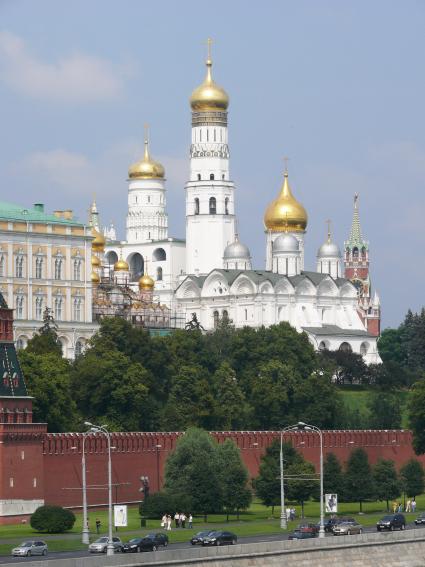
[(288, 513), (183, 520), (408, 506), (180, 519), (190, 521), (394, 507), (164, 521), (98, 524), (176, 519), (169, 522), (413, 504)]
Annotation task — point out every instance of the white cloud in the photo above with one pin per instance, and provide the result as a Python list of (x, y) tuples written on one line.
[(77, 78)]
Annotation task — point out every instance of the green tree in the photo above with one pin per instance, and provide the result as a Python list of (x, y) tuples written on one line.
[(233, 479), (416, 410), (231, 408), (316, 400), (48, 381), (302, 483), (391, 346), (384, 410), (192, 471), (52, 519), (45, 341), (359, 484), (412, 478), (387, 482), (267, 483), (333, 476)]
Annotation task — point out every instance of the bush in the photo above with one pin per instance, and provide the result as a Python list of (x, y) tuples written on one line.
[(160, 503), (52, 519)]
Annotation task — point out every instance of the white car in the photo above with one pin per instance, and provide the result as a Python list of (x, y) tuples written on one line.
[(31, 547), (101, 545)]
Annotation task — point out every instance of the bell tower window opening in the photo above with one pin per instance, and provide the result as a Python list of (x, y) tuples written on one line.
[(213, 206), (355, 254), (199, 177), (196, 206), (226, 206), (211, 176), (159, 274)]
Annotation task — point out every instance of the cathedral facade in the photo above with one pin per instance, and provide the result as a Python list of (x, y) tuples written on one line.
[(209, 276)]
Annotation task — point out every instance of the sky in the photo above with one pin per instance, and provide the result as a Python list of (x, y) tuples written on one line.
[(337, 86)]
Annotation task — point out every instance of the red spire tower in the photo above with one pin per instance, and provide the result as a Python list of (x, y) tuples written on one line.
[(356, 264)]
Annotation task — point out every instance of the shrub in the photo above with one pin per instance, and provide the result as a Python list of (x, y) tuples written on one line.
[(160, 503), (52, 519)]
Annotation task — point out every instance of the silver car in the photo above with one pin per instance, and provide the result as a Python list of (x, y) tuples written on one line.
[(101, 545), (347, 528), (30, 547)]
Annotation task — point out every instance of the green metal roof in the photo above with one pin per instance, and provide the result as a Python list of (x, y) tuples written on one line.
[(13, 212)]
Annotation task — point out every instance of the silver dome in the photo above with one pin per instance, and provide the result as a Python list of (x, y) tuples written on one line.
[(329, 250), (286, 243), (236, 251)]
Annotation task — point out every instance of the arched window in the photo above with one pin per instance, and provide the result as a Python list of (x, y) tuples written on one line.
[(77, 309), (111, 257), (77, 270), (225, 315), (78, 349), (20, 344), (211, 176), (39, 268), (322, 346), (19, 267), (213, 206), (159, 274), (363, 252), (216, 319), (39, 308), (159, 255), (199, 177), (58, 269), (345, 347), (355, 253), (136, 263), (226, 206), (58, 308), (364, 347), (196, 206)]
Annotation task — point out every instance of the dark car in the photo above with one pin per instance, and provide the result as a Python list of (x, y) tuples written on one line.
[(299, 534), (391, 522), (313, 528), (328, 524), (149, 542), (420, 519), (220, 538), (200, 536)]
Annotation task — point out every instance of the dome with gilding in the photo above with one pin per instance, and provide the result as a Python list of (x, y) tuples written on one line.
[(95, 262), (98, 242), (236, 251), (146, 168), (146, 283), (285, 212), (94, 278), (286, 243), (209, 97), (121, 266)]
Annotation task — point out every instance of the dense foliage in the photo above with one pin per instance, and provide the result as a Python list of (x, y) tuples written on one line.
[(52, 519)]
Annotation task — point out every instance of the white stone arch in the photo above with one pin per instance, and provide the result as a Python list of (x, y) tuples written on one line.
[(284, 287), (215, 285), (324, 344), (348, 290), (305, 287), (266, 287), (80, 346), (345, 347), (21, 342), (111, 257), (136, 264), (327, 287), (243, 285), (188, 290), (64, 342), (159, 255), (364, 348)]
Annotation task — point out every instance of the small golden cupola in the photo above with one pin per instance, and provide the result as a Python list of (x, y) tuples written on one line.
[(146, 168), (146, 283), (285, 214), (209, 97), (95, 262), (121, 265), (98, 242), (94, 278)]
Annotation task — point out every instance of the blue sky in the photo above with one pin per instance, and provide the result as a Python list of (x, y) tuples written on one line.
[(337, 86)]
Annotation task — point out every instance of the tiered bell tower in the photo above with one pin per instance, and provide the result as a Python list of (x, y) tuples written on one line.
[(210, 214), (356, 264)]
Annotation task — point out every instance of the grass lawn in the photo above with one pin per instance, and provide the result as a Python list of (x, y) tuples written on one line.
[(256, 521), (355, 398)]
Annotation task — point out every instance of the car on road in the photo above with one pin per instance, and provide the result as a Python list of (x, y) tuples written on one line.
[(304, 527), (220, 538), (347, 528), (150, 542), (420, 519), (30, 547), (299, 534), (391, 522), (200, 536), (101, 545)]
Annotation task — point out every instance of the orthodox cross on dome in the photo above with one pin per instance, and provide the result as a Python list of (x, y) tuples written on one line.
[(209, 43), (286, 159), (329, 223), (146, 129)]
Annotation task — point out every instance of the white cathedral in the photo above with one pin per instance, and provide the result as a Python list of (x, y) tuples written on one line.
[(210, 274)]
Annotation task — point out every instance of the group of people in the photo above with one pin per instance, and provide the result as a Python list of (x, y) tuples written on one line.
[(179, 521), (290, 514), (410, 506)]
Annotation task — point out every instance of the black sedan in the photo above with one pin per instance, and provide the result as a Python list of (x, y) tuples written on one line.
[(200, 536), (420, 519), (220, 538), (391, 522), (150, 542), (299, 534)]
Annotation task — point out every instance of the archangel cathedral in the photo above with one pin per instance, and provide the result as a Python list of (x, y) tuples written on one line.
[(209, 276)]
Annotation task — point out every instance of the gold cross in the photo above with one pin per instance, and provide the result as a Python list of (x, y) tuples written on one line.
[(146, 127), (209, 42), (286, 159)]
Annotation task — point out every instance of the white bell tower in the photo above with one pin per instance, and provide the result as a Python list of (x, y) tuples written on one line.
[(210, 206)]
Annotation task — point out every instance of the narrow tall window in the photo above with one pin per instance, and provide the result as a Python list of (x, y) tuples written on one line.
[(216, 318), (77, 270), (19, 266), (58, 309), (226, 206), (211, 176), (77, 309), (78, 349), (159, 274), (58, 269), (19, 307), (1, 266), (39, 308), (196, 206), (39, 268), (199, 177), (213, 206)]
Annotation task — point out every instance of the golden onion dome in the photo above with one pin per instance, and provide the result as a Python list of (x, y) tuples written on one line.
[(95, 262), (121, 266), (94, 278), (146, 283), (209, 97), (146, 168), (285, 212), (98, 242)]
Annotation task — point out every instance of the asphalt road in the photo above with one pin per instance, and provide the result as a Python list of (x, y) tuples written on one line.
[(241, 540)]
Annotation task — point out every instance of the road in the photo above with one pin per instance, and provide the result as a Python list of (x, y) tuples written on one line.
[(241, 540)]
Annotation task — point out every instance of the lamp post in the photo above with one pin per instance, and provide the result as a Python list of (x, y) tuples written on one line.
[(86, 531), (158, 447), (103, 429)]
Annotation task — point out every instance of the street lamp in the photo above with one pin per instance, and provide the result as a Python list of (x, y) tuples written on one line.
[(103, 429), (157, 447)]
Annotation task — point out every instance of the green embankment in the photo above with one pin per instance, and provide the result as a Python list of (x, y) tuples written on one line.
[(355, 398)]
